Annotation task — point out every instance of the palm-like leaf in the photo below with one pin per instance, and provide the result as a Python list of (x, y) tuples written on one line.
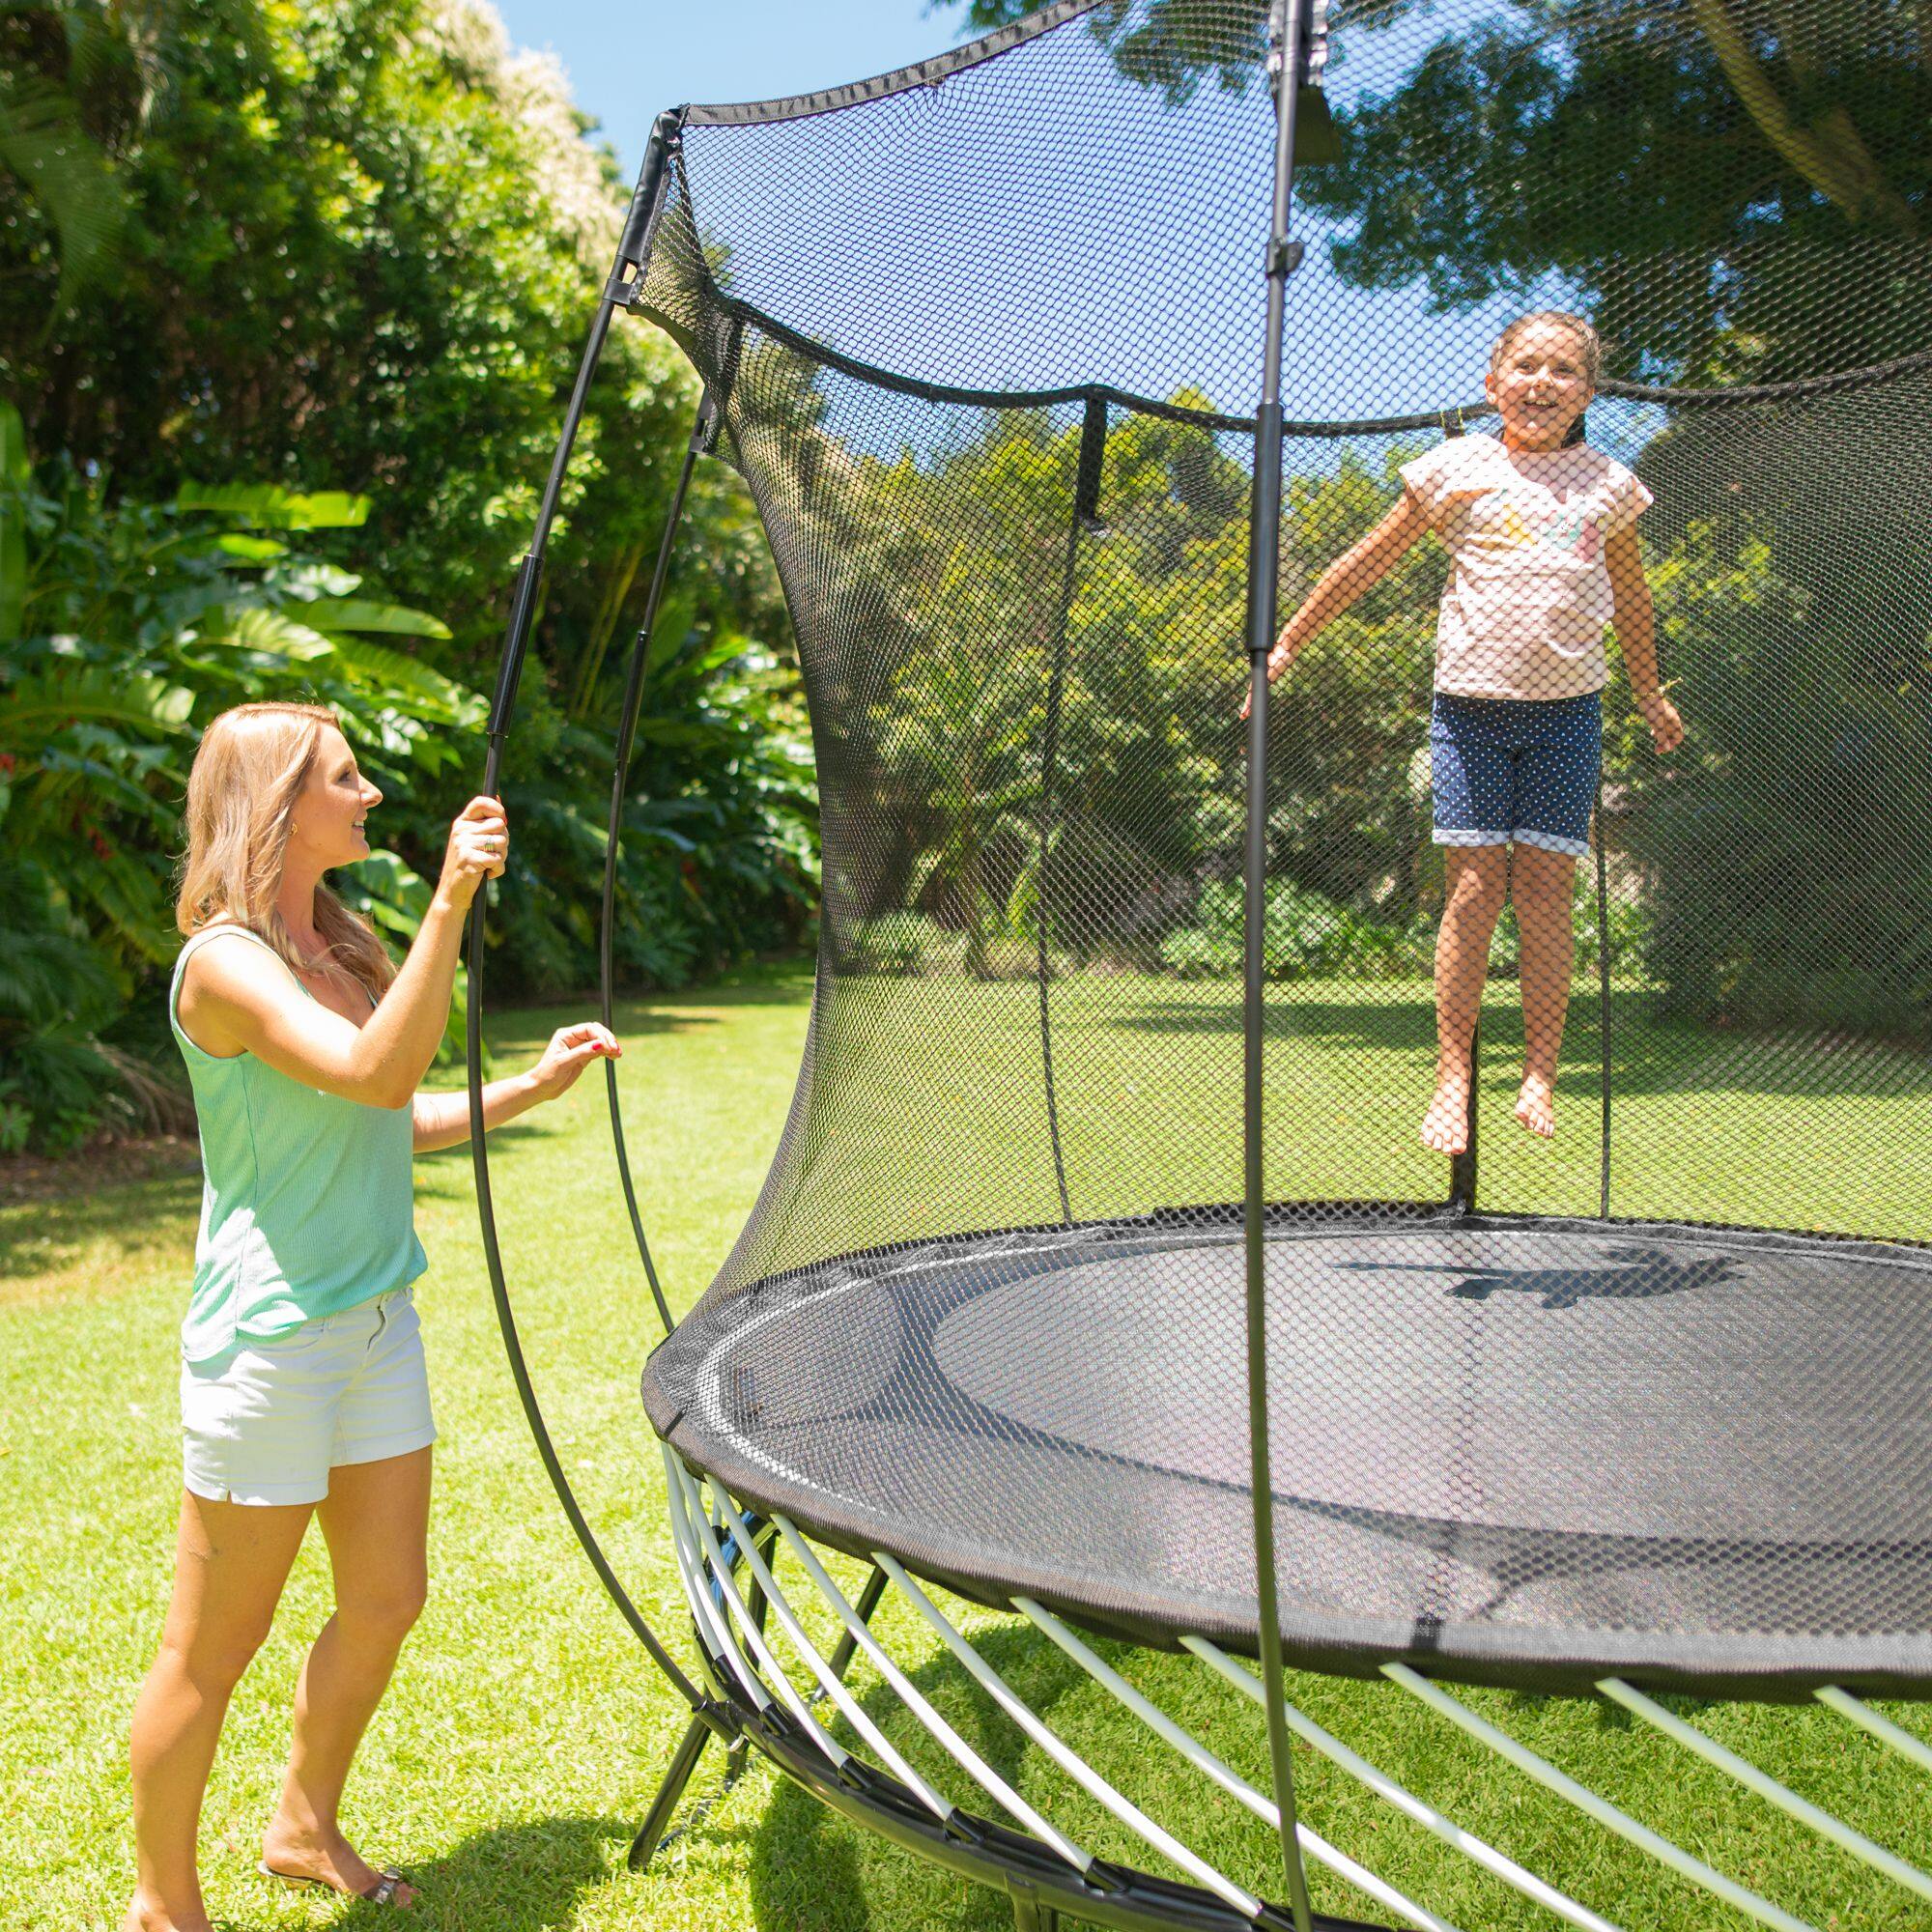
[(35, 707), (349, 613), (435, 697), (42, 142), (15, 474), (268, 506), (254, 627)]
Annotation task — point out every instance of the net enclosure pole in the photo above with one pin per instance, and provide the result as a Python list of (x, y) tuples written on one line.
[(1086, 516), (633, 252), (1286, 32), (1605, 1073), (703, 440)]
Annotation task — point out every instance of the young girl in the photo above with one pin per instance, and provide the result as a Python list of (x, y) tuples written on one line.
[(1541, 531), (302, 1384)]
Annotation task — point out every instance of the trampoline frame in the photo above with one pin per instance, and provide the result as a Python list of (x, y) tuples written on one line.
[(727, 1558), (1761, 1671), (727, 1562)]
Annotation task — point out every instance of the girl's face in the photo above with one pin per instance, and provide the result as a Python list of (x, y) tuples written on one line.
[(326, 828), (1540, 387)]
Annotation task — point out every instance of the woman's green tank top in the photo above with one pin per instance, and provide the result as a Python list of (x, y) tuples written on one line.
[(306, 1204)]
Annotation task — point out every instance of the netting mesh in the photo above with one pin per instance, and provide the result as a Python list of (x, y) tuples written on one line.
[(987, 352)]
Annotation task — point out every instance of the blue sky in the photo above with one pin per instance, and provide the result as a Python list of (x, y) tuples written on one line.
[(629, 58), (1350, 352)]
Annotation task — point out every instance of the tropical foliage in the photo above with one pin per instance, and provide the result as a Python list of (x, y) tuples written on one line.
[(289, 303), (129, 626), (291, 299), (135, 623)]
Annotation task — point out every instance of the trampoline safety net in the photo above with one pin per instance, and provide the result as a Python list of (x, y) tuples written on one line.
[(1646, 1394)]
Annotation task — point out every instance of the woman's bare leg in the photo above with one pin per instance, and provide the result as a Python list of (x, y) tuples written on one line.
[(231, 1560), (1544, 887), (1478, 882), (375, 1521)]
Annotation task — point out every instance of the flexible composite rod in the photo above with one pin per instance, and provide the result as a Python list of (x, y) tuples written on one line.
[(703, 438), (1287, 26), (633, 252)]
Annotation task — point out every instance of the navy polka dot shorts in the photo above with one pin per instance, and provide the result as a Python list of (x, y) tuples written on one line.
[(1520, 770)]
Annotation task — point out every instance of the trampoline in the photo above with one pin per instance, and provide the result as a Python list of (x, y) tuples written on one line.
[(1540, 1452), (1100, 1277)]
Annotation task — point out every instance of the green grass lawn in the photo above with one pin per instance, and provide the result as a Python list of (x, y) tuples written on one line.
[(525, 1730)]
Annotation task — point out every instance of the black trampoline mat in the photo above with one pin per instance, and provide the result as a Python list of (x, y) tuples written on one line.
[(1575, 1447)]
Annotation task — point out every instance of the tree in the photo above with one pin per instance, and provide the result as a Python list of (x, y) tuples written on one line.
[(333, 265), (1711, 175), (363, 245)]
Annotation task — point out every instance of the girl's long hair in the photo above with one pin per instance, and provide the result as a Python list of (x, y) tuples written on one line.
[(248, 771)]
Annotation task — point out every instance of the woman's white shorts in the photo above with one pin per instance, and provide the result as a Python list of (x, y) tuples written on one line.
[(267, 1423)]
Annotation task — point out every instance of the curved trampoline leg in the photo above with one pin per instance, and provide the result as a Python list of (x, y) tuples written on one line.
[(869, 1602), (684, 1761), (1031, 1915), (738, 1754)]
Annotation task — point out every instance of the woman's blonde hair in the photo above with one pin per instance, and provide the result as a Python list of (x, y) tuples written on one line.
[(248, 771)]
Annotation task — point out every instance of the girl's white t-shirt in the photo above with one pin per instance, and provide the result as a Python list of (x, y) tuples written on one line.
[(1528, 596)]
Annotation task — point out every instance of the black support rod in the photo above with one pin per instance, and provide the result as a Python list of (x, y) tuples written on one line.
[(1604, 1000), (702, 436), (869, 1602), (1085, 516), (1286, 31), (523, 605), (1464, 1166)]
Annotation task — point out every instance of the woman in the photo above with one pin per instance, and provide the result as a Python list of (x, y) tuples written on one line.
[(302, 1384)]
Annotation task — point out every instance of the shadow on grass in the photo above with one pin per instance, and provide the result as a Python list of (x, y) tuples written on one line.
[(523, 1030), (42, 1238), (809, 1869), (512, 1878)]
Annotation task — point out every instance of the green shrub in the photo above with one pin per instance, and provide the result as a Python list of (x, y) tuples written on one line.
[(1787, 850), (1307, 936), (902, 943), (129, 625)]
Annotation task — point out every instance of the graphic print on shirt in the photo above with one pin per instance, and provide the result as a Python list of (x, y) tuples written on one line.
[(1506, 520)]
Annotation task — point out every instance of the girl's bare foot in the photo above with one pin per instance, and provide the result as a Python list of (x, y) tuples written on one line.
[(1536, 1105), (289, 1852), (1445, 1127), (147, 1914)]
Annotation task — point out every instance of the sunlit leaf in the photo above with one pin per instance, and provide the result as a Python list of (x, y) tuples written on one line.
[(266, 506), (343, 614), (376, 665), (255, 628)]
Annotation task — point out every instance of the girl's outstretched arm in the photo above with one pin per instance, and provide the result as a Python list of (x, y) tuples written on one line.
[(1636, 637), (1347, 577)]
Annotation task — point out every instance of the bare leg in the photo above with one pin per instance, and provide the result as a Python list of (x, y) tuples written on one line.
[(375, 1521), (1543, 885), (1478, 882), (231, 1560)]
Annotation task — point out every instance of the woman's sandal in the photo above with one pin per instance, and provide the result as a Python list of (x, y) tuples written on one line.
[(382, 1892)]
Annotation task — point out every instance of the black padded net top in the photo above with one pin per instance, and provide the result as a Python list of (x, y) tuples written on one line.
[(1650, 1394)]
